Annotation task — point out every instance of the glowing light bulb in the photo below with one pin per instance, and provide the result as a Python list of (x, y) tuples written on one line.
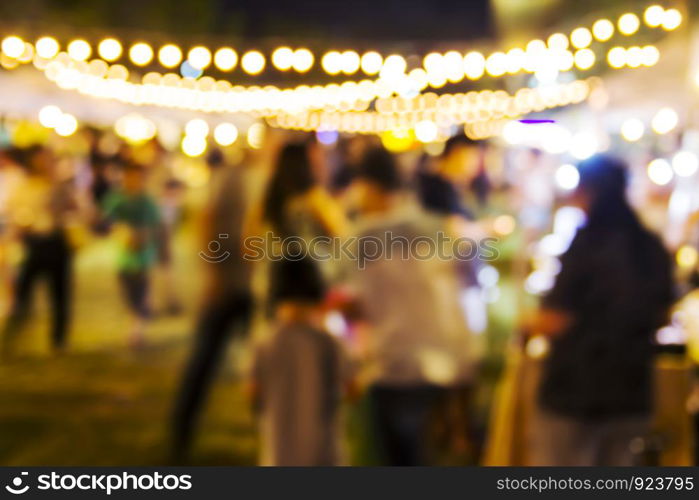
[(79, 50), (632, 129), (628, 24), (672, 18), (13, 46), (664, 120), (225, 134), (50, 116), (659, 172), (282, 58), (332, 62), (685, 163), (302, 60), (109, 49), (170, 55), (567, 177), (616, 57), (371, 62), (603, 29), (199, 57), (653, 16), (225, 59), (47, 47), (581, 38), (141, 54), (196, 127), (253, 62), (67, 125)]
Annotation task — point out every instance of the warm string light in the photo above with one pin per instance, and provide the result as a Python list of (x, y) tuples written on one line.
[(98, 79), (429, 114), (560, 53)]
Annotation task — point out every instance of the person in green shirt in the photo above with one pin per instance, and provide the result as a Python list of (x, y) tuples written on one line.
[(136, 214)]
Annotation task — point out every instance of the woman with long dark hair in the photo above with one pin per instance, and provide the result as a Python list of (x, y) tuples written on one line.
[(614, 290), (295, 204)]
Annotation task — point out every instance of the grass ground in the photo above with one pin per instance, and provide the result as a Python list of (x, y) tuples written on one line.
[(101, 403)]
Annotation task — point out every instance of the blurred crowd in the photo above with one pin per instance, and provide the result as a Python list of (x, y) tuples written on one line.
[(355, 274)]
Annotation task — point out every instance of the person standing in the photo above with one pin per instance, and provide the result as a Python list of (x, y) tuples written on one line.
[(227, 302), (137, 216), (38, 209), (614, 290), (415, 342), (299, 374)]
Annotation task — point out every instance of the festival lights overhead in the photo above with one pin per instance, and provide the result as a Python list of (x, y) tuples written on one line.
[(397, 91)]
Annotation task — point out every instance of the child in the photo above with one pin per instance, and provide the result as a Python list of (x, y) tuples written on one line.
[(298, 374), (136, 210)]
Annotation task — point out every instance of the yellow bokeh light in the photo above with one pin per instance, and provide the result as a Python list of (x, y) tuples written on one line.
[(109, 49), (581, 38), (13, 46), (651, 55), (50, 116), (193, 146), (516, 58), (350, 62), (398, 140), (672, 18), (225, 134), (199, 57), (504, 224), (664, 121), (426, 131), (170, 55), (653, 16), (141, 54), (303, 60), (256, 135), (634, 57), (474, 65), (603, 29), (628, 24), (47, 47), (616, 57), (632, 129), (496, 64), (253, 62), (332, 62), (196, 128), (687, 257), (584, 59), (282, 58), (557, 41), (67, 125), (225, 59), (371, 62), (79, 50)]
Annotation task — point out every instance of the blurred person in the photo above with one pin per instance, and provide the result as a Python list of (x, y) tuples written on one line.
[(227, 302), (295, 203), (170, 205), (298, 374), (296, 208), (136, 214), (11, 174), (38, 208), (415, 341), (442, 183), (613, 291)]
